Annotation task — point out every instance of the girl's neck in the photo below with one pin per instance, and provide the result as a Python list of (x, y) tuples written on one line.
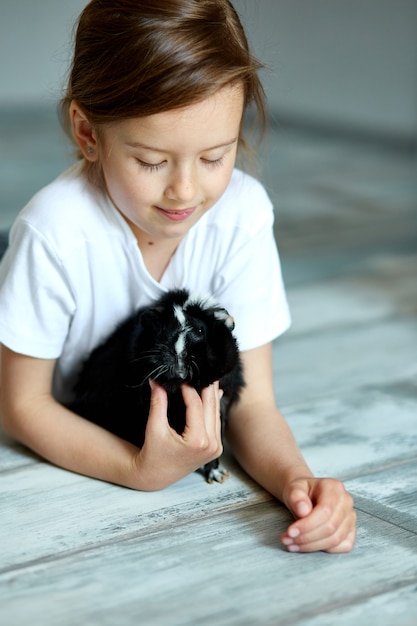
[(156, 252), (157, 257)]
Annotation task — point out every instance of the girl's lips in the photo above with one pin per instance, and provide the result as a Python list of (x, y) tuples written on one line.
[(177, 216)]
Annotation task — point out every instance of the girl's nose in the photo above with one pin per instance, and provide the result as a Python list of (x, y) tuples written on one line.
[(182, 185)]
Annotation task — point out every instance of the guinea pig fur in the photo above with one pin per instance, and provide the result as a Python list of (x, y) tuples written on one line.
[(178, 339)]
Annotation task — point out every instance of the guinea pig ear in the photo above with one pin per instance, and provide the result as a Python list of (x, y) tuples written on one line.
[(150, 315), (223, 316)]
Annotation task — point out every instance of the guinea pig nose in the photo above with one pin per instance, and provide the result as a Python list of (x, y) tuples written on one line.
[(182, 373)]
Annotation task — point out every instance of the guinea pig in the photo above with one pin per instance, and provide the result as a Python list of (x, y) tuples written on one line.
[(178, 339)]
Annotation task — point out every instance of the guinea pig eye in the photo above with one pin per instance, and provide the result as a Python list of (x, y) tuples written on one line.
[(198, 329)]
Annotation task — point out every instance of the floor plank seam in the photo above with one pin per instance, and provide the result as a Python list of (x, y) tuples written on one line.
[(379, 516), (151, 524), (369, 470), (339, 606)]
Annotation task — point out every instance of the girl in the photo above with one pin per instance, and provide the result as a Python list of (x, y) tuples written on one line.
[(155, 102)]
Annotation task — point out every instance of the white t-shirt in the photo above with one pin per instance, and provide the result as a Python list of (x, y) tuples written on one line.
[(74, 270)]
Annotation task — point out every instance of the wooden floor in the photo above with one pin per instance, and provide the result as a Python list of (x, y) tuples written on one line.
[(77, 551)]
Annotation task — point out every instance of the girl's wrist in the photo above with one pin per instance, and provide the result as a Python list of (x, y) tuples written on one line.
[(286, 477)]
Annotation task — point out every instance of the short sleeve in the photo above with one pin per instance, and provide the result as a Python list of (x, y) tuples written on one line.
[(36, 302), (250, 285)]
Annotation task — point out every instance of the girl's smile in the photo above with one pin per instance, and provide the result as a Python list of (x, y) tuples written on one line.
[(164, 171), (178, 215)]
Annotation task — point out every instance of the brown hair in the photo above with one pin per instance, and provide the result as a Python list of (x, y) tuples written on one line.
[(134, 58)]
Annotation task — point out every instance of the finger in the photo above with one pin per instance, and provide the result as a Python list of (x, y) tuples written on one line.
[(346, 545), (219, 395), (325, 529), (299, 502), (324, 496), (210, 402), (311, 523), (210, 397), (194, 414), (158, 409), (330, 521), (342, 540)]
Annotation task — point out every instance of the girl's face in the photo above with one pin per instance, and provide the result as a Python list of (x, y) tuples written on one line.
[(164, 171)]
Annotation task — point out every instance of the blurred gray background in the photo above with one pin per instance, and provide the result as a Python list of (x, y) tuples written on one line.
[(342, 91), (351, 63)]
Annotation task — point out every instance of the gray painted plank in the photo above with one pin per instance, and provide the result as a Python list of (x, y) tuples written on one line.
[(333, 361), (225, 569), (390, 494), (384, 287), (13, 455), (342, 436), (48, 511), (394, 608), (351, 433)]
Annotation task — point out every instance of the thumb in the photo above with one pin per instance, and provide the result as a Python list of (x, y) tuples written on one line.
[(298, 500)]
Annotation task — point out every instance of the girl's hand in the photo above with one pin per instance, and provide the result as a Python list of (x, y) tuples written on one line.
[(325, 516), (167, 456)]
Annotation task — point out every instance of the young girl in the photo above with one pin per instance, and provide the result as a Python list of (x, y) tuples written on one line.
[(156, 100)]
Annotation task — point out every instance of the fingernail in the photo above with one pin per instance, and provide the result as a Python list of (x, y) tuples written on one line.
[(302, 509), (294, 532), (287, 541), (294, 548)]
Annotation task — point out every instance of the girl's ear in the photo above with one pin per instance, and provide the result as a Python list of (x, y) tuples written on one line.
[(84, 133)]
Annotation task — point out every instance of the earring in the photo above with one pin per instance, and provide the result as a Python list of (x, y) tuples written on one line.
[(89, 150)]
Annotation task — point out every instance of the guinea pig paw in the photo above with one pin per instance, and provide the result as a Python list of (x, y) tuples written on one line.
[(217, 475)]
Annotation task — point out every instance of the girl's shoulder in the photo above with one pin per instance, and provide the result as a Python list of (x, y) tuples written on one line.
[(65, 198), (67, 210)]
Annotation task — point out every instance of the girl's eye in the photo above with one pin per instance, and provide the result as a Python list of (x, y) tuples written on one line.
[(154, 167), (214, 162), (150, 167)]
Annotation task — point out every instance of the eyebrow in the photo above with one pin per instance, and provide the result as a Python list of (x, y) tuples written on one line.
[(138, 144)]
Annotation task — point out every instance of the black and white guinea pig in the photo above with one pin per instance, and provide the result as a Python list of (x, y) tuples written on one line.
[(178, 339)]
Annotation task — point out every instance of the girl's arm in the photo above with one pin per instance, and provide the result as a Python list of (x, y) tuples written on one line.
[(265, 447), (30, 414)]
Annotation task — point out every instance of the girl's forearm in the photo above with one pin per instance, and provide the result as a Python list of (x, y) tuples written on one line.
[(73, 443), (265, 447)]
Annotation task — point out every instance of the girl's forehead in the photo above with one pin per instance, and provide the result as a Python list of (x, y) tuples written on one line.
[(213, 122)]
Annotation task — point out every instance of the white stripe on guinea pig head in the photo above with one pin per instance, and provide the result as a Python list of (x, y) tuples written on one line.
[(179, 314), (179, 351), (180, 343)]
